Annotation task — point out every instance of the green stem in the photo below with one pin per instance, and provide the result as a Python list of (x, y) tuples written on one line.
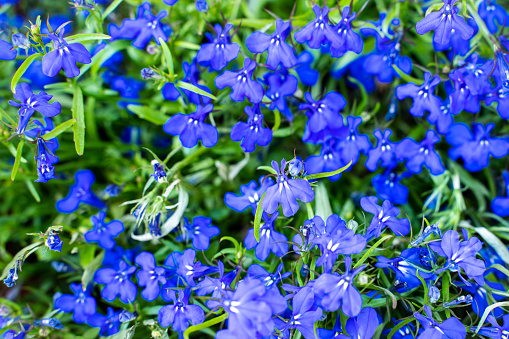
[(206, 324)]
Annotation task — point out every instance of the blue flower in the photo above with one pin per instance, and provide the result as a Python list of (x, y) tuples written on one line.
[(500, 205), (502, 79), (444, 22), (383, 216), (462, 98), (280, 84), (384, 152), (216, 286), (81, 303), (12, 276), (142, 29), (21, 41), (250, 195), (192, 76), (307, 75), (191, 127), (150, 276), (475, 148), (480, 297), (424, 99), (11, 334), (159, 174), (337, 291), (328, 160), (362, 326), (201, 6), (456, 44), (41, 129), (278, 51), (423, 154), (241, 83), (348, 40), (103, 233), (323, 113), (113, 190), (188, 269), (444, 120), (271, 280), (220, 50), (49, 322), (7, 51), (315, 228), (354, 143), (429, 230), (117, 283), (64, 55), (80, 192), (286, 192), (251, 133), (460, 255), (388, 187), (180, 314), (295, 167), (270, 240), (200, 231), (304, 316), (126, 316), (318, 32), (53, 242), (30, 103), (45, 160), (493, 15), (109, 323), (451, 327)]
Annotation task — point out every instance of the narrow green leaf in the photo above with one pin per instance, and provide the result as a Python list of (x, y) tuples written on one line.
[(149, 114), (22, 69), (87, 37), (367, 254), (399, 326), (233, 241), (78, 114), (32, 190), (407, 77), (90, 269), (267, 168), (327, 174), (100, 58), (167, 56), (23, 254), (59, 129), (194, 89), (424, 285), (258, 219), (188, 45), (322, 203), (434, 7), (277, 120), (500, 268), (446, 282), (17, 159), (8, 117), (110, 9), (206, 324), (494, 242), (487, 313)]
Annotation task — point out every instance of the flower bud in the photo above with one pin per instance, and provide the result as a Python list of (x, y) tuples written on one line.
[(21, 41), (295, 167)]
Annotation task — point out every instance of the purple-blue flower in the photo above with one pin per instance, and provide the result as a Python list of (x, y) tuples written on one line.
[(30, 103), (216, 286), (188, 269), (286, 192), (500, 205), (362, 326), (109, 323), (348, 40), (281, 85), (64, 55), (180, 314), (384, 152), (53, 242), (423, 98), (220, 50), (493, 14), (270, 240), (328, 160), (383, 216), (323, 113), (241, 83), (103, 233), (81, 303), (80, 192), (354, 143), (388, 187), (117, 283), (7, 51), (200, 231), (45, 161), (307, 75), (252, 132), (49, 322), (150, 276), (423, 154), (191, 127), (497, 331), (450, 328), (271, 280), (250, 195), (318, 32), (304, 316)]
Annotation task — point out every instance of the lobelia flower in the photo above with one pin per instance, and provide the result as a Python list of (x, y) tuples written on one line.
[(295, 167), (216, 286), (480, 297), (362, 326), (45, 160), (251, 133), (457, 45), (444, 120), (286, 192), (493, 15), (458, 301), (443, 22), (201, 6), (497, 331), (353, 144), (126, 316), (200, 231), (348, 40), (191, 127), (142, 29), (431, 229), (323, 113), (475, 148), (423, 154), (109, 323), (318, 32), (64, 55), (423, 98), (341, 241), (21, 41), (42, 128), (307, 75), (180, 314), (280, 84), (384, 152), (7, 51), (388, 187), (241, 83), (49, 322), (80, 192), (271, 280), (279, 52), (500, 205), (270, 240), (502, 79), (450, 328), (313, 229), (11, 334), (150, 276), (383, 216), (250, 195), (304, 315), (30, 103), (433, 294), (117, 283), (337, 291), (462, 98), (460, 255), (113, 190), (81, 303), (159, 174), (103, 233), (188, 269), (220, 50), (53, 242), (328, 160)]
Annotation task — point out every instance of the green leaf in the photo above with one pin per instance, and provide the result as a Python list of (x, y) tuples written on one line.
[(446, 282), (434, 7), (22, 69), (149, 114), (327, 174), (206, 324), (23, 254), (7, 116), (488, 311), (110, 9), (32, 190), (87, 37), (267, 168), (398, 326), (424, 285), (167, 56), (407, 77), (17, 159), (188, 45), (367, 254), (194, 89), (500, 268), (86, 255), (59, 129), (90, 269), (322, 202), (494, 242), (258, 219), (78, 114), (100, 58), (233, 241)]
